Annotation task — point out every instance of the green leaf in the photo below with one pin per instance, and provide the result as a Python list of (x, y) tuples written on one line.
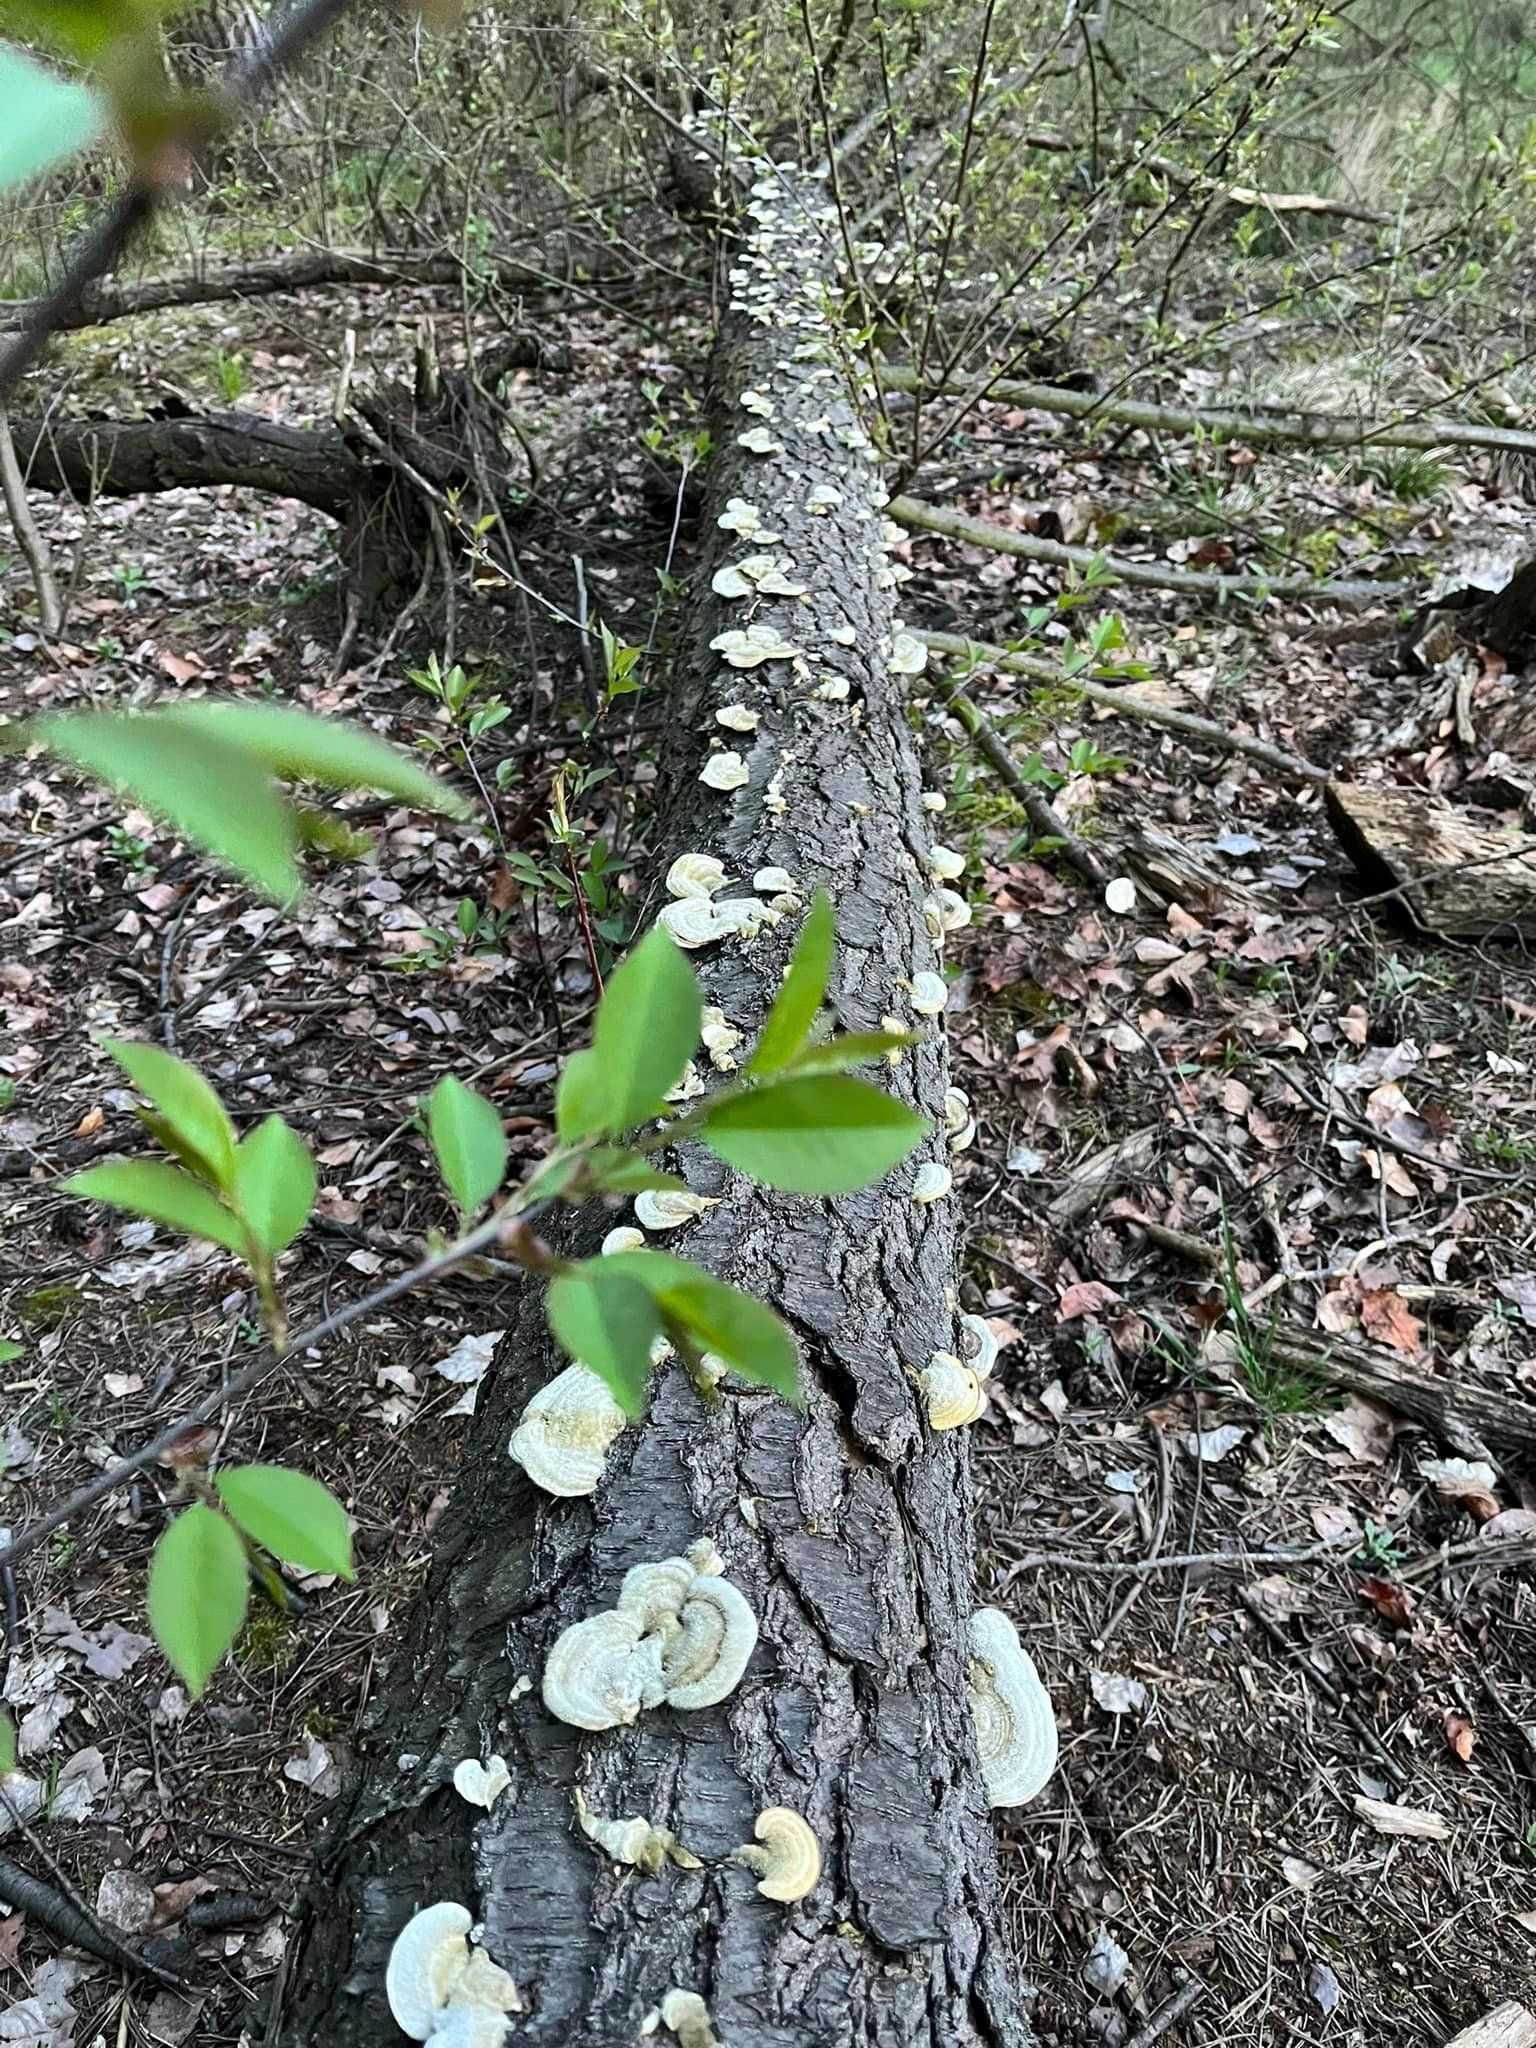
[(469, 1142), (289, 1514), (646, 1028), (737, 1328), (313, 749), (795, 1005), (213, 793), (614, 1172), (580, 1098), (188, 1103), (7, 1744), (198, 1591), (852, 1049), (165, 1194), (274, 1183), (9, 1350), (814, 1135), (43, 119), (609, 1322)]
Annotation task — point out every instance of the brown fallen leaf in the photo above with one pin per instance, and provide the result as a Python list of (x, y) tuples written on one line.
[(1416, 1822), (1083, 1298), (1387, 1317), (1392, 1602), (1460, 1736)]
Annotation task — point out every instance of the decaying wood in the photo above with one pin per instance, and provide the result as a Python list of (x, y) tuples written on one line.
[(980, 533), (1450, 1408), (1454, 872), (1261, 430), (848, 1525), (1124, 699), (1510, 2025)]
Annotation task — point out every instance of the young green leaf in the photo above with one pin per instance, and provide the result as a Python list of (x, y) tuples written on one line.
[(199, 1588), (9, 1349), (43, 118), (216, 795), (814, 1135), (851, 1049), (580, 1098), (7, 1744), (469, 1142), (289, 1514), (737, 1328), (607, 1321), (163, 1193), (188, 1103), (274, 1184), (646, 1028), (800, 997), (313, 749), (616, 1172)]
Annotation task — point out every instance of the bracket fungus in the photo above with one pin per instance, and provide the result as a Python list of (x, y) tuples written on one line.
[(685, 2014), (934, 1181), (944, 862), (738, 718), (670, 1208), (760, 441), (908, 656), (747, 646), (624, 1238), (930, 993), (789, 1860), (695, 877), (771, 881), (481, 1784), (692, 922), (680, 1636), (952, 1392), (440, 1989), (634, 1840), (562, 1436), (724, 771), (954, 911), (1015, 1724), (757, 576), (978, 1346), (743, 518)]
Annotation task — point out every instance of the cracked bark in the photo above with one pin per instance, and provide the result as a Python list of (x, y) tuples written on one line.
[(848, 1526)]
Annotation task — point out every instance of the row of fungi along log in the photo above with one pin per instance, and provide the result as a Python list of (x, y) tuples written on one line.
[(847, 1526)]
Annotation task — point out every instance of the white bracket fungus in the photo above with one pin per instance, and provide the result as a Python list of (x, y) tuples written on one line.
[(433, 1976), (959, 1124), (845, 635), (978, 1346), (944, 862), (833, 691), (719, 1037), (695, 877), (692, 922), (954, 911), (771, 881), (823, 499), (746, 646), (562, 1436), (789, 1862), (481, 1784), (634, 1840), (930, 994), (951, 1392), (935, 800), (670, 1208), (759, 441), (624, 1239), (934, 1181), (681, 1636), (724, 771), (1015, 1725), (757, 576), (685, 2014), (908, 656), (738, 718), (743, 518), (756, 402)]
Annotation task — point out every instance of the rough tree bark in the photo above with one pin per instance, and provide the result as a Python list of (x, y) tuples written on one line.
[(848, 1526)]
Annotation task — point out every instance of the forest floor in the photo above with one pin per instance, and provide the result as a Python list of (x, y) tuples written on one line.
[(1306, 1782)]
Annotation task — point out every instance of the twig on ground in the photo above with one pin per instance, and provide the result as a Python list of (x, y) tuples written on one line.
[(1303, 430), (1379, 1137), (57, 1906), (1124, 700), (1159, 1535), (1168, 2014), (979, 533), (50, 613)]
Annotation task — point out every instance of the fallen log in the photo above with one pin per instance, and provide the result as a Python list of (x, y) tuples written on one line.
[(1000, 540), (848, 1525), (1451, 871), (1278, 430)]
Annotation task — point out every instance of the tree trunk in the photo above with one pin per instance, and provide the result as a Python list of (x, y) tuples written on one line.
[(848, 1526)]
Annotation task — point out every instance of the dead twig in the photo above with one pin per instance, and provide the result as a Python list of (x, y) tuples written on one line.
[(1168, 2014)]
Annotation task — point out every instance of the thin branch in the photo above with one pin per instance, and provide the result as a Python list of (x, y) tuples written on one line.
[(1299, 429), (282, 44), (1129, 705), (50, 613), (980, 533)]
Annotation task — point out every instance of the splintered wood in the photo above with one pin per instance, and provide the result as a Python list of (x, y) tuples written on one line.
[(1510, 2025), (1461, 874)]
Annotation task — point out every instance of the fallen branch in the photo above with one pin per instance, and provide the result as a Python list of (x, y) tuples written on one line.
[(1298, 429), (50, 613), (121, 458), (1037, 806), (980, 533), (1128, 704), (1451, 1408)]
